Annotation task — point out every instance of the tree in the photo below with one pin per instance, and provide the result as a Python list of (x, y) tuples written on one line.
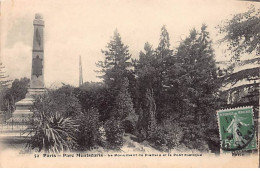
[(163, 50), (147, 123), (145, 70), (242, 32), (96, 95), (199, 88), (151, 113), (4, 83), (117, 62), (116, 66), (16, 93), (20, 88), (124, 109), (164, 60), (64, 100)]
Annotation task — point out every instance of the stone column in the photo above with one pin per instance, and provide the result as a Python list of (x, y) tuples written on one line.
[(37, 72)]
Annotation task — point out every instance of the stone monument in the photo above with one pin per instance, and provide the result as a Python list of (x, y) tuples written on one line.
[(37, 72), (22, 111)]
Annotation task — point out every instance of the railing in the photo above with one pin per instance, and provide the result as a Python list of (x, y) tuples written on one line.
[(9, 127)]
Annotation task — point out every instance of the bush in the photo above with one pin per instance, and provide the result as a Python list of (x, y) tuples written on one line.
[(194, 139), (174, 134), (64, 101), (114, 134), (167, 136), (142, 135), (52, 133), (128, 126), (89, 134), (158, 137), (49, 130)]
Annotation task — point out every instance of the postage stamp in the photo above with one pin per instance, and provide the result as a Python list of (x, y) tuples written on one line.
[(237, 130)]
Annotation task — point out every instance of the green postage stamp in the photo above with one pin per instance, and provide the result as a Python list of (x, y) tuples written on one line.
[(236, 128)]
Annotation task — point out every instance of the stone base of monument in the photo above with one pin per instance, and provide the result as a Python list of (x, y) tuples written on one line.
[(36, 91), (22, 113)]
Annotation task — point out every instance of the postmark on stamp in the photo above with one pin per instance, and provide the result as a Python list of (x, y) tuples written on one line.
[(236, 128)]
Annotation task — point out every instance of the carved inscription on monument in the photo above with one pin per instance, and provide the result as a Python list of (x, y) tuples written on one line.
[(37, 66)]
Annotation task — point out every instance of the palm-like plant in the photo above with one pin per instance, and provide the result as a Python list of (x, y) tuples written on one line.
[(50, 131)]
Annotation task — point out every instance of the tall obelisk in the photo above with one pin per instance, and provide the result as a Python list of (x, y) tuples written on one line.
[(80, 73), (23, 111), (37, 72)]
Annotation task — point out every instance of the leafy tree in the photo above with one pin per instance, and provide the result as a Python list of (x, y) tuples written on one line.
[(20, 88), (96, 95), (16, 93), (64, 100), (242, 32)]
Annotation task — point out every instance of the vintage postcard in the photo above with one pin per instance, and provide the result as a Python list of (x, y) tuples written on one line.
[(129, 84)]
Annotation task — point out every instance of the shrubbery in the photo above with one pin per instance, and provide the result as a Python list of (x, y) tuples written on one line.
[(167, 136), (89, 134), (114, 134), (50, 131)]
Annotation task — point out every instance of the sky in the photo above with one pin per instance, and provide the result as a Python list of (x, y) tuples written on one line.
[(76, 28)]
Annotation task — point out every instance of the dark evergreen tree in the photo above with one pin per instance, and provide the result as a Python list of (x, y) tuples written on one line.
[(124, 110), (117, 62), (150, 111), (198, 88), (145, 70), (116, 66), (147, 123), (164, 60)]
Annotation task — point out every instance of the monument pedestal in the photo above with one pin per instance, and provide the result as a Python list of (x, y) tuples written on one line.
[(36, 91), (22, 113)]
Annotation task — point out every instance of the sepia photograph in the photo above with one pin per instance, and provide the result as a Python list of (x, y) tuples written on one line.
[(129, 83)]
